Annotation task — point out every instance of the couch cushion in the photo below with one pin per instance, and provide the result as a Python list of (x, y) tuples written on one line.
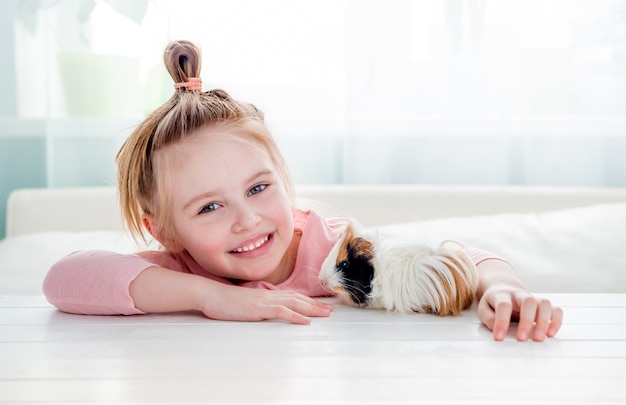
[(573, 250)]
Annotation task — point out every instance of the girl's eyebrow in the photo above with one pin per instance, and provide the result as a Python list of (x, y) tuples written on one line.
[(208, 194)]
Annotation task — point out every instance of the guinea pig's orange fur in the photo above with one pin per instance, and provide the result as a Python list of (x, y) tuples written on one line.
[(453, 302)]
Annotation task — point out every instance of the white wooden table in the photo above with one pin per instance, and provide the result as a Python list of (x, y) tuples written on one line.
[(355, 356)]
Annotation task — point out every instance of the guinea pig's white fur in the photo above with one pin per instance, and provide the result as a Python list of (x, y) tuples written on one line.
[(409, 276), (416, 277)]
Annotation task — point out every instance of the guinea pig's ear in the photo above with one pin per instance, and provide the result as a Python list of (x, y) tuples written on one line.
[(343, 250), (360, 247)]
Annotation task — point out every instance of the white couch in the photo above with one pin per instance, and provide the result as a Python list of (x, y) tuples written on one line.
[(559, 239)]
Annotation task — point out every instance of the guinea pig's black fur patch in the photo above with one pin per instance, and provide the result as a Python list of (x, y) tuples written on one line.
[(357, 271)]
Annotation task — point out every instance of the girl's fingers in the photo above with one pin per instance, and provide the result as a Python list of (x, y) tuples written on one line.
[(496, 315), (497, 311), (286, 314), (503, 308), (527, 316), (540, 313), (486, 314), (542, 323), (305, 305), (312, 307), (556, 321), (295, 308)]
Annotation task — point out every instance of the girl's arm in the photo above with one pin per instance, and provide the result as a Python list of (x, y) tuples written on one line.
[(107, 283), (94, 283), (502, 298), (161, 290)]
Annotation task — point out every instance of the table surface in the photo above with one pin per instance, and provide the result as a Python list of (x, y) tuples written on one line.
[(354, 356)]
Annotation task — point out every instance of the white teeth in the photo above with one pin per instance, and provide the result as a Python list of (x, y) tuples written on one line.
[(252, 246)]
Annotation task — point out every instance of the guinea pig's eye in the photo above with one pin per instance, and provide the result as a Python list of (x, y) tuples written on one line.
[(342, 265)]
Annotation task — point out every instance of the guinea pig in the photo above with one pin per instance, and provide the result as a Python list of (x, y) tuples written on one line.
[(399, 275)]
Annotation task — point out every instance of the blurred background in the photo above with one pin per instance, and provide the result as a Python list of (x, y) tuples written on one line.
[(519, 92)]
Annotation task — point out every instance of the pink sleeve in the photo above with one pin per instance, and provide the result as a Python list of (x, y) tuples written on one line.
[(478, 255), (94, 283)]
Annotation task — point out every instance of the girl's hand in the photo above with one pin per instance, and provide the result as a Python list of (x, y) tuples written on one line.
[(498, 306), (158, 290), (235, 303), (503, 298)]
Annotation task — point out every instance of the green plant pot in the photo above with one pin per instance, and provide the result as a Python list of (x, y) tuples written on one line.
[(100, 85)]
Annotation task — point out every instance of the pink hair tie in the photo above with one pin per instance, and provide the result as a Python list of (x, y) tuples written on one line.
[(192, 83)]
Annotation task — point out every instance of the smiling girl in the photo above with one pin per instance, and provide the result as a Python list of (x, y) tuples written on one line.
[(203, 176)]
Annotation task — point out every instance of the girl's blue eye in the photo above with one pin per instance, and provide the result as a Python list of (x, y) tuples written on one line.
[(257, 189), (209, 208)]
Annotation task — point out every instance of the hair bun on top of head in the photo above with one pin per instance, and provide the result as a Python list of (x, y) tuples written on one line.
[(183, 61)]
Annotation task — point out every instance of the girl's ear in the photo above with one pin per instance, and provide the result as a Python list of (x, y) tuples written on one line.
[(149, 222)]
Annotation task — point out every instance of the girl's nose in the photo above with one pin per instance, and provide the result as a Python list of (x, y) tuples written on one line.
[(245, 218)]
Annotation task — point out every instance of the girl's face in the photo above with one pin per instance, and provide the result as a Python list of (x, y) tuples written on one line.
[(230, 208)]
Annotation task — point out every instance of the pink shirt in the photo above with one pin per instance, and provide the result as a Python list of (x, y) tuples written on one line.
[(98, 282)]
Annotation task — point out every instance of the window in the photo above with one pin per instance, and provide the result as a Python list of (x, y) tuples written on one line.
[(357, 91)]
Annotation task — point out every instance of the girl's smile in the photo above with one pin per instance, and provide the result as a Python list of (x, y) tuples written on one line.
[(253, 248)]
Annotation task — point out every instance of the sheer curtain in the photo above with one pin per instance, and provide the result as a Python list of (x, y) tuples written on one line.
[(355, 91)]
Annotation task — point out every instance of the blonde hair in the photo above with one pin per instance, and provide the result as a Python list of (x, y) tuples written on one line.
[(141, 190)]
